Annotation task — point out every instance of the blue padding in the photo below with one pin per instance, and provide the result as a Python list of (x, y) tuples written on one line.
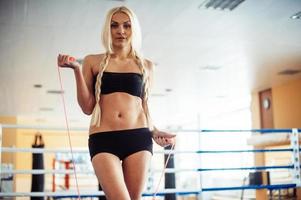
[(252, 187), (247, 168), (247, 151), (177, 193), (249, 187), (251, 130), (75, 196)]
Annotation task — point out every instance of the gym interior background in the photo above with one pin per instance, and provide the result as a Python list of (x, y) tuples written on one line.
[(217, 67)]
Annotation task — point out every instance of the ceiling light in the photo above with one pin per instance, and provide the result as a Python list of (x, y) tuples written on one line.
[(210, 68), (46, 109), (41, 120), (296, 16), (55, 91), (289, 72), (221, 4), (37, 85), (157, 95)]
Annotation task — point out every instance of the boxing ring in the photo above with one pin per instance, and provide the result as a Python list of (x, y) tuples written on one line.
[(259, 137)]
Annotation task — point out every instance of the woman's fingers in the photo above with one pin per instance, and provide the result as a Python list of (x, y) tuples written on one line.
[(164, 138), (165, 134), (163, 141), (61, 60), (67, 61)]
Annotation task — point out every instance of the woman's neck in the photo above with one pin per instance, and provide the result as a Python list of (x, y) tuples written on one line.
[(121, 53)]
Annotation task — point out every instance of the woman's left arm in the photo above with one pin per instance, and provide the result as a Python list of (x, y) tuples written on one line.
[(162, 138)]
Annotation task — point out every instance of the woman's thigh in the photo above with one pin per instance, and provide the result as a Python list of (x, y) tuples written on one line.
[(135, 169), (109, 173)]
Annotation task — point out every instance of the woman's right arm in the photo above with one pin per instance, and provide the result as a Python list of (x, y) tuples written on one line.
[(162, 138), (84, 81)]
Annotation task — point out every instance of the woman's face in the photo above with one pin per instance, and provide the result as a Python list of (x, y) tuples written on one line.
[(121, 30)]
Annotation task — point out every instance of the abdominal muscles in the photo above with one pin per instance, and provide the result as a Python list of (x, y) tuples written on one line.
[(120, 111)]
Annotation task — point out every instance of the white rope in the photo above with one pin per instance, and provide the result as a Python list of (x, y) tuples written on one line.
[(49, 194), (77, 150), (178, 130), (51, 128), (44, 171), (70, 171), (61, 128), (175, 151), (146, 193), (87, 193), (42, 150)]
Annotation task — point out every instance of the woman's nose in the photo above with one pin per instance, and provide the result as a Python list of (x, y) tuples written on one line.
[(120, 29)]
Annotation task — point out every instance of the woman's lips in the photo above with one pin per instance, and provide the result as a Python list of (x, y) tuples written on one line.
[(121, 39)]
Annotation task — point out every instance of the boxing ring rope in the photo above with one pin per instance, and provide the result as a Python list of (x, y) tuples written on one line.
[(145, 194), (295, 166), (168, 170), (3, 126), (36, 150), (52, 128), (45, 150), (41, 150), (251, 130)]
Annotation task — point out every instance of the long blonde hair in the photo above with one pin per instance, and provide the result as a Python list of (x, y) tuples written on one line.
[(135, 53)]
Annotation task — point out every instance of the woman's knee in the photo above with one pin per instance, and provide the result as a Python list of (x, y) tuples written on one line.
[(115, 191), (135, 195), (117, 196)]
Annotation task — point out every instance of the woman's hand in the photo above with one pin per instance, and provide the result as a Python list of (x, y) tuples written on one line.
[(163, 139), (67, 61)]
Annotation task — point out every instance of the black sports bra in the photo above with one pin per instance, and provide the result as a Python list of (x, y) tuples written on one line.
[(129, 82)]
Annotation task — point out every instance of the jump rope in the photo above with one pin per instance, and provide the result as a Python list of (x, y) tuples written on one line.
[(72, 59)]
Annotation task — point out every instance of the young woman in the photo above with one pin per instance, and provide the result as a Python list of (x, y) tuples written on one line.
[(114, 87)]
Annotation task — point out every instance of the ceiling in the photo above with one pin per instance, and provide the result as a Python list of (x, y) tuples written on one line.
[(208, 61)]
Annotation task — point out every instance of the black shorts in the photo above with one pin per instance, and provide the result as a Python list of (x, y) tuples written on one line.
[(121, 143)]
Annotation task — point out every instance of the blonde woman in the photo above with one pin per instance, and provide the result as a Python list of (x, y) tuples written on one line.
[(114, 87)]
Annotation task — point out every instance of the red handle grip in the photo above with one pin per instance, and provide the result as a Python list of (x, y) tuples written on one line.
[(71, 59)]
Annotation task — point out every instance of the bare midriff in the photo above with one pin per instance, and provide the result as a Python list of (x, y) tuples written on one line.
[(120, 111)]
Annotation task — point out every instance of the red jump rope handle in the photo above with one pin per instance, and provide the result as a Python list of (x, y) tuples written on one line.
[(72, 59)]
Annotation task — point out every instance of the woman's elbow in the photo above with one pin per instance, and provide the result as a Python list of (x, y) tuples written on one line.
[(87, 107), (87, 110)]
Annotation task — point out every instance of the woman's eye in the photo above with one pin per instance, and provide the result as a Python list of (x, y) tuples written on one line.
[(127, 26), (114, 25)]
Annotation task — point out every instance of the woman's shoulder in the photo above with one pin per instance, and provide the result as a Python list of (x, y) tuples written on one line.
[(92, 61), (94, 58)]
